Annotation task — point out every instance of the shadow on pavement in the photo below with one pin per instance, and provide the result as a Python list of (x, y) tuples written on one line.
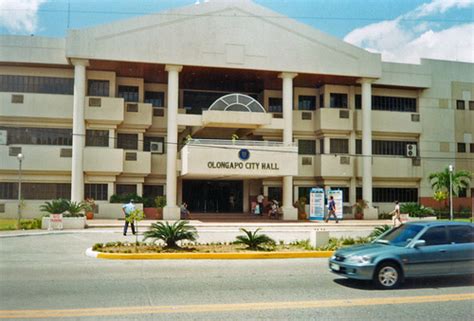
[(418, 283)]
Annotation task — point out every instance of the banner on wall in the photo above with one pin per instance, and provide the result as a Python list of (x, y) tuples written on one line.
[(337, 195), (316, 204)]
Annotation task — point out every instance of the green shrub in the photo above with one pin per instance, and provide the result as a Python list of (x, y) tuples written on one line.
[(253, 241), (416, 210), (97, 246), (32, 224), (57, 206), (385, 216), (160, 201), (170, 234), (74, 209), (116, 198)]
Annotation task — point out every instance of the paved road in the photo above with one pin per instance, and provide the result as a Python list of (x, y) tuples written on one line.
[(52, 275)]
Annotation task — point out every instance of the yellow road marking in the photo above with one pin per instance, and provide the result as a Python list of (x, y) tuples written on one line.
[(38, 314)]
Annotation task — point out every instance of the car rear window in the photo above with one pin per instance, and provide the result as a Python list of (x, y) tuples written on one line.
[(461, 234)]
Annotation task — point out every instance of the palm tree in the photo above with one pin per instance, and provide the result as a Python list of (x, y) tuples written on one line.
[(170, 234), (254, 241), (460, 180)]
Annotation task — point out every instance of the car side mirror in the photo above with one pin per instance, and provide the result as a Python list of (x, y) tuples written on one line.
[(419, 243)]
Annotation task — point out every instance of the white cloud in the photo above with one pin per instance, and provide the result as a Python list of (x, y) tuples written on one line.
[(20, 16), (405, 39)]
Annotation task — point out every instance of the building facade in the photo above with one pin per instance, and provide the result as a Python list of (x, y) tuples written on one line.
[(215, 103)]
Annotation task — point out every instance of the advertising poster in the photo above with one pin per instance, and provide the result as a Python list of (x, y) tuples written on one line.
[(337, 194), (316, 204)]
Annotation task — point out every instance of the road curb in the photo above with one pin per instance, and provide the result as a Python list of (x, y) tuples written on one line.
[(209, 256)]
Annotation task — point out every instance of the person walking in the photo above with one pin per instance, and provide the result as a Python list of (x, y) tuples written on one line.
[(127, 209), (396, 215), (331, 209), (260, 199), (185, 214)]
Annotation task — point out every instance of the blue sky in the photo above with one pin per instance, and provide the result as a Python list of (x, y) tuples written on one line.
[(401, 30)]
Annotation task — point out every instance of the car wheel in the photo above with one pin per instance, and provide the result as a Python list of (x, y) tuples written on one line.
[(387, 276)]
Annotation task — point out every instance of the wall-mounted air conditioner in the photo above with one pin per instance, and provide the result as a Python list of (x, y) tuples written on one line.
[(156, 147), (411, 150)]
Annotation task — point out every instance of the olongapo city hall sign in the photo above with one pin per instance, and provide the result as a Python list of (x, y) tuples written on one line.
[(259, 162)]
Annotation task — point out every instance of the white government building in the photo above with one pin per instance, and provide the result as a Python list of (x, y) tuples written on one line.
[(154, 105)]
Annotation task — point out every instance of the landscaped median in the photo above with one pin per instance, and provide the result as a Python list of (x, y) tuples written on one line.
[(210, 256)]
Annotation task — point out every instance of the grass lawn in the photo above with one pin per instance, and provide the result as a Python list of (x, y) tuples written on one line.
[(7, 225)]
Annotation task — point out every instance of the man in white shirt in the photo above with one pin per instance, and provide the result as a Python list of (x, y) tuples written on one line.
[(127, 209), (260, 199), (396, 215)]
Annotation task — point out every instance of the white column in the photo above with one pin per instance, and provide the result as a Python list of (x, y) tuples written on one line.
[(112, 143), (140, 142), (171, 210), (289, 212), (78, 130), (140, 189), (367, 140)]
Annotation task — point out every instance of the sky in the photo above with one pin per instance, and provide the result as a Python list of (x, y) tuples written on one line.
[(401, 30)]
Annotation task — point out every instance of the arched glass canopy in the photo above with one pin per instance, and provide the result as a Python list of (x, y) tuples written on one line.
[(237, 102)]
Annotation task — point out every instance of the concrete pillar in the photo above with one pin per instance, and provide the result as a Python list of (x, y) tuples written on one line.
[(140, 189), (110, 189), (246, 196), (112, 134), (289, 212), (78, 130), (367, 140), (171, 210), (140, 142)]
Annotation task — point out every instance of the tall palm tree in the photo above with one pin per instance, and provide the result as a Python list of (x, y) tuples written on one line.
[(460, 180)]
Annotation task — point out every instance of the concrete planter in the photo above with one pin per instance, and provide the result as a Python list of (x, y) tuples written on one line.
[(69, 223), (112, 211)]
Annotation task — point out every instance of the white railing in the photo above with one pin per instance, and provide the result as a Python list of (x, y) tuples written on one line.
[(229, 142)]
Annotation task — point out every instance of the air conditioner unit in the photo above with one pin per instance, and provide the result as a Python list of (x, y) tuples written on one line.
[(156, 147), (411, 150)]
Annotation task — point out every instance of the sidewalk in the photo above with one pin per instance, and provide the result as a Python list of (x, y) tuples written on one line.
[(225, 231)]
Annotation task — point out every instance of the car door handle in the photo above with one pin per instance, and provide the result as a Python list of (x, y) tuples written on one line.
[(442, 251)]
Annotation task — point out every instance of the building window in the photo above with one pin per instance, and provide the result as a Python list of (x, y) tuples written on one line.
[(127, 141), (460, 105), (321, 146), (34, 84), (158, 149), (359, 146), (98, 192), (274, 193), (389, 195), (358, 102), (306, 102), (306, 147), (153, 191), (461, 147), (338, 100), (128, 93), (275, 105), (125, 189), (387, 147), (462, 192), (35, 191), (321, 101), (359, 193), (98, 88), (156, 98), (471, 104), (304, 192), (387, 103), (339, 146), (345, 192), (471, 147), (99, 138), (196, 101), (38, 136)]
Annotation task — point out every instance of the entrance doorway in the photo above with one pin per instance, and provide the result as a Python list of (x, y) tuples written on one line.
[(213, 196)]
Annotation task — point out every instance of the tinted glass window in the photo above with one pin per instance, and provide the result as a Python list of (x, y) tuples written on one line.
[(306, 147), (435, 236), (98, 87), (127, 141), (338, 101), (33, 84), (402, 235), (275, 105), (128, 93), (156, 98), (38, 136), (307, 102), (97, 138), (461, 234)]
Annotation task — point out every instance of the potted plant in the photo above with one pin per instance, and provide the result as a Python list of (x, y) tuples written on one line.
[(89, 207), (160, 203), (359, 207)]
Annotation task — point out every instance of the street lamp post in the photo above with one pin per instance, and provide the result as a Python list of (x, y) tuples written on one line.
[(20, 159), (450, 192)]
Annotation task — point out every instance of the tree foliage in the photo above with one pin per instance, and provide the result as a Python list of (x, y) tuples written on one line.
[(460, 180)]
